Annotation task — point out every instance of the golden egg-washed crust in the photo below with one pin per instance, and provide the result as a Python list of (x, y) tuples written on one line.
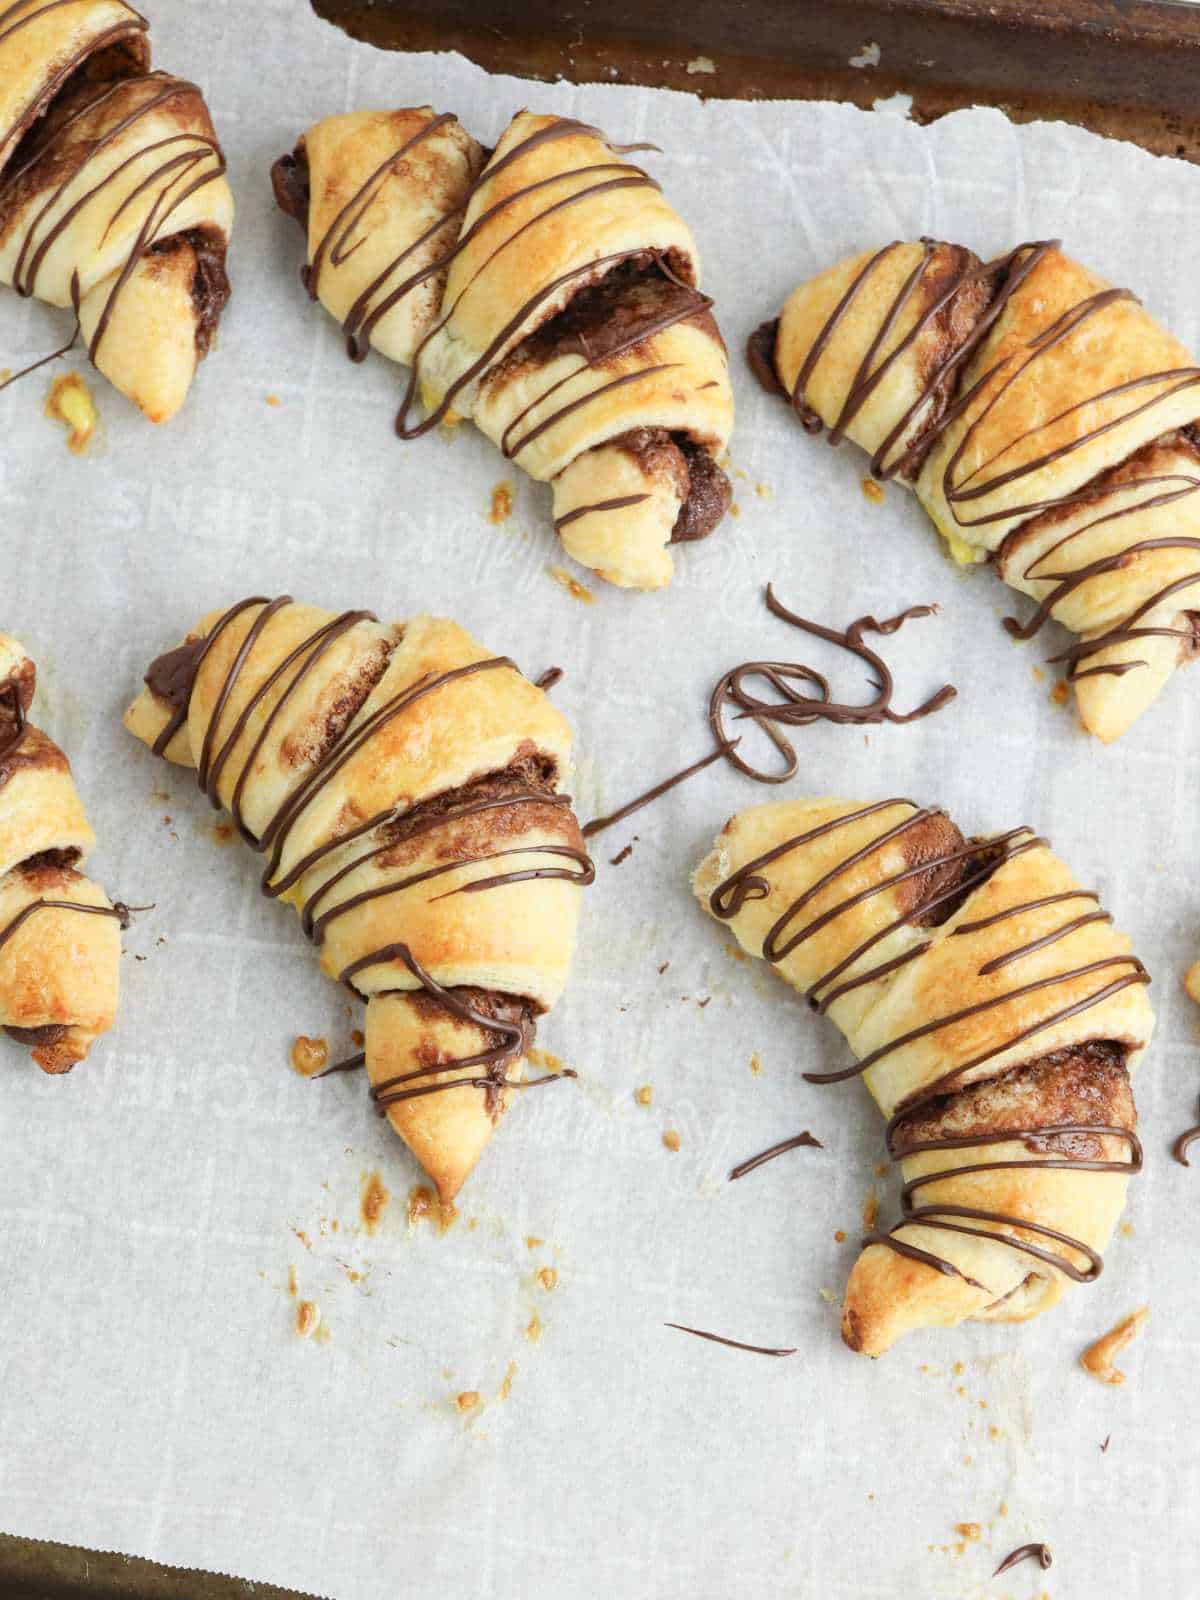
[(948, 980), (427, 185), (671, 381), (1136, 502), (516, 259), (909, 376), (1024, 409), (394, 773), (40, 808), (753, 832), (446, 1131), (1047, 420), (1082, 1085), (970, 1031), (549, 292), (116, 204), (58, 968)]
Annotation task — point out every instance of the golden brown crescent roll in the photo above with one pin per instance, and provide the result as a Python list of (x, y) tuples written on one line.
[(546, 290), (996, 1015), (60, 941), (404, 786), (113, 199), (1045, 421)]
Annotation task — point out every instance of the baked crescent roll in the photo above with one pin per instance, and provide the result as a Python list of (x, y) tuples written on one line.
[(1045, 421), (113, 199), (403, 785), (60, 940), (996, 1016), (546, 290)]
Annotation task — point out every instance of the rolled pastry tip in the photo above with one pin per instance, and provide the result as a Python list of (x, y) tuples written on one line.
[(1124, 574), (996, 1015), (379, 223), (888, 403), (159, 324), (618, 508), (447, 1130), (59, 969), (890, 1294)]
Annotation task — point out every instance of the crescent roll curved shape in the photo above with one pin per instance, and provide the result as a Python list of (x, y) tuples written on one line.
[(60, 940), (403, 784), (113, 199), (548, 291), (1046, 423), (996, 1015)]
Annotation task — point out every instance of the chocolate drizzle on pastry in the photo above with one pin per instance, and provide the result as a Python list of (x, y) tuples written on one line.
[(1084, 1089), (91, 102), (974, 296), (22, 744), (793, 707), (615, 305), (525, 787)]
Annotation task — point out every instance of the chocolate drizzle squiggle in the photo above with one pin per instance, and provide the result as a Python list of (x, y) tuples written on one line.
[(733, 1344), (173, 677), (960, 491), (983, 859), (1026, 1552), (793, 708), (1183, 1144), (798, 1141)]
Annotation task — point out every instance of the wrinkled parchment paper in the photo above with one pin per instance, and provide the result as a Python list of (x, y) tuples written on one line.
[(154, 1395)]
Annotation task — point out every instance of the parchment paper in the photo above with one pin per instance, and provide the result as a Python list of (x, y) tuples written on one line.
[(154, 1396)]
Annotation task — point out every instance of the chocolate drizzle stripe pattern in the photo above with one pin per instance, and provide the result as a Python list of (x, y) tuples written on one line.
[(161, 176), (1022, 1233), (428, 259), (172, 680), (963, 490)]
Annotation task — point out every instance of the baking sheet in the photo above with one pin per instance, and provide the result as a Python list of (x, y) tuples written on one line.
[(154, 1397)]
